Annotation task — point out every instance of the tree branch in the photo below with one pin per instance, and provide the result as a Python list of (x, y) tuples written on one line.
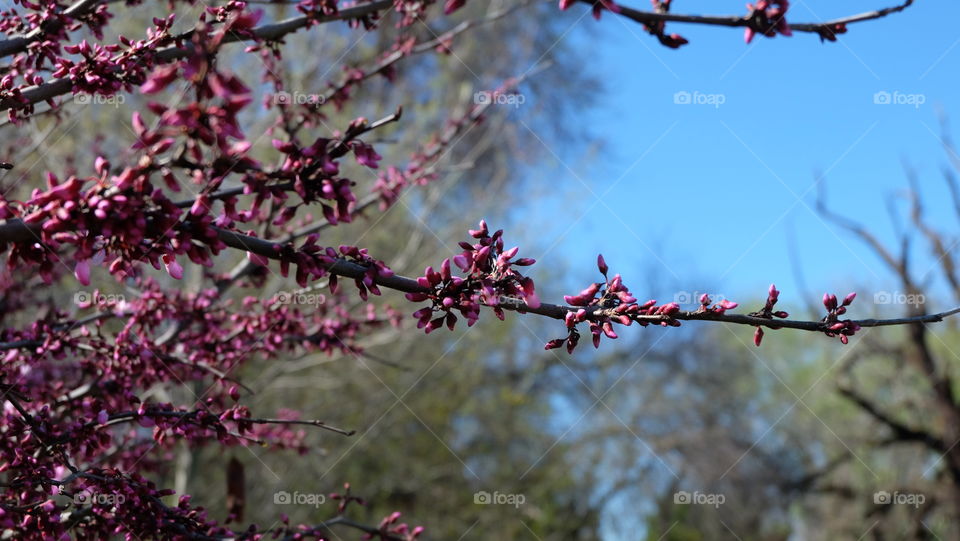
[(649, 17), (15, 230), (267, 32)]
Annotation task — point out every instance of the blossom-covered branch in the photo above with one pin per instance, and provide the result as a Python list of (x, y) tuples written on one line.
[(765, 17), (490, 283)]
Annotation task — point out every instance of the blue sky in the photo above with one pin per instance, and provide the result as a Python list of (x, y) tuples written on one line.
[(706, 195)]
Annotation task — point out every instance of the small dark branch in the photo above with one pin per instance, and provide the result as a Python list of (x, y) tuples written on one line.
[(374, 533), (865, 236), (319, 424), (901, 431), (942, 253)]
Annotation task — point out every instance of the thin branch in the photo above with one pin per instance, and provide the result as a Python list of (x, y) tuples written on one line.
[(267, 32), (19, 44), (650, 17), (16, 230)]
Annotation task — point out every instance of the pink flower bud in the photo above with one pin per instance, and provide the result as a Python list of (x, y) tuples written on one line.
[(608, 330), (849, 299), (82, 272), (728, 305), (602, 264), (461, 261), (554, 344), (757, 336), (445, 269), (173, 268)]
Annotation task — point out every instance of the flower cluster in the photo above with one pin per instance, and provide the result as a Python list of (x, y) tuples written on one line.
[(767, 312), (488, 276), (767, 17), (719, 308), (391, 527), (835, 326), (598, 7), (604, 303)]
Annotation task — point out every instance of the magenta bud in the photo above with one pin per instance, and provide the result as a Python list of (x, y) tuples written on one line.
[(608, 330), (704, 299), (616, 284), (462, 262), (555, 343), (849, 299), (757, 336), (781, 314), (602, 264)]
